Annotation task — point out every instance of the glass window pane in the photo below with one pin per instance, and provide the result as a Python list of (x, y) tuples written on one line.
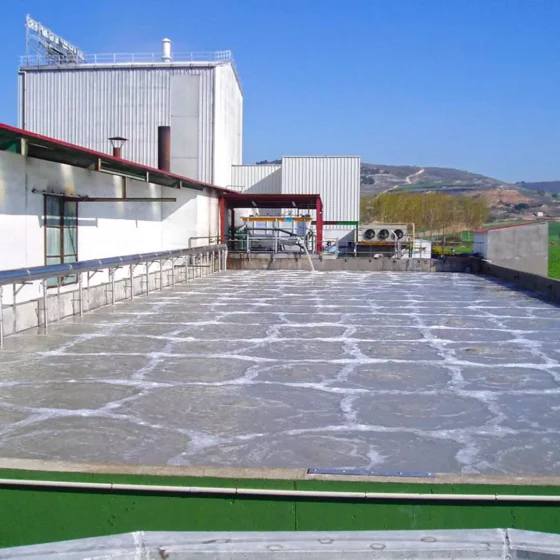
[(53, 260), (70, 259), (70, 213), (70, 238), (54, 211), (53, 242)]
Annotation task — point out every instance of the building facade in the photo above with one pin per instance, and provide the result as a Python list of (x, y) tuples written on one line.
[(61, 210), (89, 101), (335, 178)]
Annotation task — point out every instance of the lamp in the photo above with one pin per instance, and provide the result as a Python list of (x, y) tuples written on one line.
[(117, 142)]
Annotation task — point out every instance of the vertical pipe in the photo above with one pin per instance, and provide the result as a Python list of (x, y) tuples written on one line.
[(117, 152), (223, 214), (58, 298), (319, 220), (225, 258), (131, 281), (187, 269), (80, 295), (160, 276), (1, 320), (164, 148), (172, 273), (45, 306)]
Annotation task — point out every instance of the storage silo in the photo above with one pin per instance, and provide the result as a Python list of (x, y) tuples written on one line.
[(88, 98)]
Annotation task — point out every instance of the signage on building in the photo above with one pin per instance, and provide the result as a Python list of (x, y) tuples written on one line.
[(53, 45)]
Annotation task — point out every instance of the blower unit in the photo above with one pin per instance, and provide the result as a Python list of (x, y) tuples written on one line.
[(381, 233)]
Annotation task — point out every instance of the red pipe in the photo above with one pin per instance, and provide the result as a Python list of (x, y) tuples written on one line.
[(222, 220), (319, 208)]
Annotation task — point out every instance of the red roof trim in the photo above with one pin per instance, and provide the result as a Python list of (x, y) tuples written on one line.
[(484, 230), (80, 149)]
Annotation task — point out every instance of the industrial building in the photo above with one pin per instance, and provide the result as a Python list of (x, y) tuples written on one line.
[(61, 203), (335, 178), (86, 99)]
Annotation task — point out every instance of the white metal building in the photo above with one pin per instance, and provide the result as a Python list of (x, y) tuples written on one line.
[(335, 178), (89, 99), (60, 204)]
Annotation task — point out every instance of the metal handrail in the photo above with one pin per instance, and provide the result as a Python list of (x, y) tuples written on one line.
[(79, 269), (30, 60), (20, 275)]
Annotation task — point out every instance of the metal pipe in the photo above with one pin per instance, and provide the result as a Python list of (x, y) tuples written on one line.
[(164, 148), (45, 306), (267, 492), (80, 295), (21, 275)]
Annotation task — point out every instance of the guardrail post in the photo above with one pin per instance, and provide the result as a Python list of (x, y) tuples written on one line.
[(131, 277), (225, 258), (112, 279), (1, 320), (80, 295), (147, 278), (173, 272), (160, 276), (45, 306)]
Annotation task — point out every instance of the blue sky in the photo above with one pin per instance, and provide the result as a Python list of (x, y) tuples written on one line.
[(472, 84)]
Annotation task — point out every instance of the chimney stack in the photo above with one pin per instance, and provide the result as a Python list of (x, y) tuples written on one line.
[(166, 54), (164, 148)]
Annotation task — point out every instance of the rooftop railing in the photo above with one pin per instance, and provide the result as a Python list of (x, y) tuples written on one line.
[(178, 262), (36, 59)]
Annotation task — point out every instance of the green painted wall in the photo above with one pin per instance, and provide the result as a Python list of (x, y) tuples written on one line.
[(40, 515)]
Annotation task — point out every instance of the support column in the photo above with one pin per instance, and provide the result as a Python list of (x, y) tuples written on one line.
[(319, 221), (223, 215)]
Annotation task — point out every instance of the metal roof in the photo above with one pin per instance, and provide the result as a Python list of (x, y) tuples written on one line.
[(51, 149), (247, 200)]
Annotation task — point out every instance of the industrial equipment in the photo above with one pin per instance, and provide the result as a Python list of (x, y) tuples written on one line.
[(277, 233)]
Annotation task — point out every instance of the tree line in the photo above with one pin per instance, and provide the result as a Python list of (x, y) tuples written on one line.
[(427, 211)]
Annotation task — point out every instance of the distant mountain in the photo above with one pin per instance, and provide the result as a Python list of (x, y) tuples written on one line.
[(506, 201), (377, 178), (543, 186)]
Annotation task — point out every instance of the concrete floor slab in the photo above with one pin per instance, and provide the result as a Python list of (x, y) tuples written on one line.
[(443, 373)]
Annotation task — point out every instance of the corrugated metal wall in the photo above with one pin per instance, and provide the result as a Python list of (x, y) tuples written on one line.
[(228, 122), (85, 106), (336, 179), (258, 179)]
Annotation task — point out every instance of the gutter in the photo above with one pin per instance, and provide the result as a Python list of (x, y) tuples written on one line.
[(270, 493)]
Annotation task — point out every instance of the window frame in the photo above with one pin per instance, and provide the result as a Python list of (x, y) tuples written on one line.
[(62, 226)]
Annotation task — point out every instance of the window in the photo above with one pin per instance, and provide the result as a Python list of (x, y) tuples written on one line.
[(61, 234)]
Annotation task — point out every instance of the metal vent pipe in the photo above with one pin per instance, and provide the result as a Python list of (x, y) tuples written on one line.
[(166, 51), (164, 148)]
